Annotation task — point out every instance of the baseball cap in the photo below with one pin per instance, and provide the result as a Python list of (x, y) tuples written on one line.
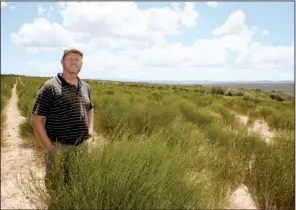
[(72, 50)]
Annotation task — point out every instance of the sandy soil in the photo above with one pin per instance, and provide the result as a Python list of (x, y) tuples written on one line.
[(241, 197), (16, 162), (259, 126)]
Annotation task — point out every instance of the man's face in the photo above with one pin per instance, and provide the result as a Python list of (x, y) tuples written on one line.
[(72, 63)]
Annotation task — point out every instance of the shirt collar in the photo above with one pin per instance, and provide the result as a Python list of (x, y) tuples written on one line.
[(63, 82)]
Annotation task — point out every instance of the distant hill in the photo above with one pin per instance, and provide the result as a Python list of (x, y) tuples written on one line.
[(264, 85), (284, 86)]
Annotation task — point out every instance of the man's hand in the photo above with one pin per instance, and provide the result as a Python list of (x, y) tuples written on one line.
[(37, 124), (90, 123), (50, 149), (90, 115)]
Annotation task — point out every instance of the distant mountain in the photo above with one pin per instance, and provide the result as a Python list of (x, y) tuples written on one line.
[(193, 82)]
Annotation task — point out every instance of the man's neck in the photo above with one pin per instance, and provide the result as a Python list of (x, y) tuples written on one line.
[(71, 78)]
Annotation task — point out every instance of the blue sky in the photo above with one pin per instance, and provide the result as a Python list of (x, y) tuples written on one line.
[(151, 41)]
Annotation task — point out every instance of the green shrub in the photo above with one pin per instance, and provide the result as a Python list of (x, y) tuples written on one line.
[(108, 112), (204, 116), (218, 90), (110, 92), (271, 177), (157, 96), (151, 128), (144, 120), (139, 174), (250, 97), (186, 107), (277, 97), (228, 116)]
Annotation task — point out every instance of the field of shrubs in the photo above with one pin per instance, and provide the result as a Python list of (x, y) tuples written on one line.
[(172, 147)]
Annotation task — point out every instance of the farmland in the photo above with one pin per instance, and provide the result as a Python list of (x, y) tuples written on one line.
[(171, 146)]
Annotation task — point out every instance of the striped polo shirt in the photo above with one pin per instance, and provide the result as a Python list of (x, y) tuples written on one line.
[(65, 107)]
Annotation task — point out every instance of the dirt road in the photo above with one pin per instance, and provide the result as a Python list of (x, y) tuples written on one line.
[(16, 161)]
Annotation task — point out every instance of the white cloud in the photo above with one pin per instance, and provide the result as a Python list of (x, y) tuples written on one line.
[(234, 24), (61, 5), (212, 4), (139, 25), (42, 33), (140, 28), (134, 42), (258, 56), (265, 32), (3, 4), (41, 10)]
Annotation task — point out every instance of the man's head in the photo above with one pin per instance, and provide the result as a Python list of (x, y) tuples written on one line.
[(72, 61)]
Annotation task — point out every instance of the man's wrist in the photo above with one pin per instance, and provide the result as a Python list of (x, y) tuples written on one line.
[(50, 149)]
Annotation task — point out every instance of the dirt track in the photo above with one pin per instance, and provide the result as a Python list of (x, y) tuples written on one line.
[(16, 161), (241, 198)]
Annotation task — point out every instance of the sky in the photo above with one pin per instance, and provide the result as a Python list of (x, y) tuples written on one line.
[(185, 41)]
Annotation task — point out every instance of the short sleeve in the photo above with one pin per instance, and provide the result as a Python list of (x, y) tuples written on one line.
[(43, 101)]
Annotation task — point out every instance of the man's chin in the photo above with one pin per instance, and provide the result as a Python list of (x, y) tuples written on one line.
[(74, 71)]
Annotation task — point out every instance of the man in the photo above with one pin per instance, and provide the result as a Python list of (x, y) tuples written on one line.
[(65, 104)]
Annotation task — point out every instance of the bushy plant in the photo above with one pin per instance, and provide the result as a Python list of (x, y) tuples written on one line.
[(271, 178)]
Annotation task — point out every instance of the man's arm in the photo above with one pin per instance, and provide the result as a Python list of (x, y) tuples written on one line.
[(90, 115), (40, 110), (40, 132)]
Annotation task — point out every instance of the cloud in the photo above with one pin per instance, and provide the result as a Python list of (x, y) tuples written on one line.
[(3, 4), (42, 11), (212, 4), (143, 25), (140, 28), (234, 24), (258, 56), (42, 33), (265, 32), (61, 5), (134, 42)]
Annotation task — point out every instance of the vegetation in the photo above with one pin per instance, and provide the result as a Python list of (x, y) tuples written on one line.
[(173, 147), (27, 89), (7, 83)]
